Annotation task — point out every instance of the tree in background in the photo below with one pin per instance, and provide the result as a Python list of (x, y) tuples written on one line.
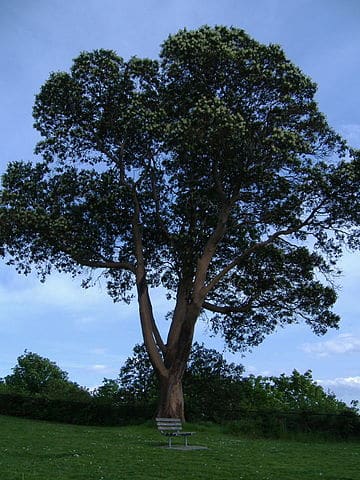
[(137, 380), (207, 363), (36, 375), (211, 384), (300, 391), (207, 378), (215, 389), (289, 393), (210, 172)]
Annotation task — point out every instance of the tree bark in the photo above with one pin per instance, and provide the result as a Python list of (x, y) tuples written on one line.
[(171, 402)]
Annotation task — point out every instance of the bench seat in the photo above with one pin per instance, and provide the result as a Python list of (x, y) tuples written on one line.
[(172, 427)]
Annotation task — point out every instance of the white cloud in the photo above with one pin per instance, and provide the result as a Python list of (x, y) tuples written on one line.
[(350, 382), (57, 291), (344, 343), (95, 368), (346, 389), (99, 367), (86, 320), (98, 351)]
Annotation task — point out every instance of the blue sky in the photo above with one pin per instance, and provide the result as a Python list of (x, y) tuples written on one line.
[(83, 331)]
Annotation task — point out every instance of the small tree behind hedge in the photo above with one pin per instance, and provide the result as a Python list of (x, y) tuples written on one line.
[(36, 375)]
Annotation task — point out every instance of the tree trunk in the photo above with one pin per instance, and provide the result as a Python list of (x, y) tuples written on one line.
[(169, 361), (171, 403)]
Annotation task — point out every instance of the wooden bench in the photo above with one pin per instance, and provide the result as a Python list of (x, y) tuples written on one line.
[(172, 427)]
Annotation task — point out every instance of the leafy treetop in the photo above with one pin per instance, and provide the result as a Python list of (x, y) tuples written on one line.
[(210, 171)]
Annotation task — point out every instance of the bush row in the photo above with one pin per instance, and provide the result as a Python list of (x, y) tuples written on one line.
[(278, 424), (345, 425), (272, 424), (89, 412)]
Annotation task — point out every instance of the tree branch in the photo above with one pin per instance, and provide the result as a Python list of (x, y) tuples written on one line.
[(155, 195), (159, 341), (226, 310), (106, 264), (151, 334), (288, 231), (209, 250)]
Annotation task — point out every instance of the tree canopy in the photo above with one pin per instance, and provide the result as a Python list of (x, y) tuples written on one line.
[(209, 171)]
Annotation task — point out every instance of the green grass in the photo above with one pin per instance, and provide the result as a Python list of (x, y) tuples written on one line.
[(31, 450)]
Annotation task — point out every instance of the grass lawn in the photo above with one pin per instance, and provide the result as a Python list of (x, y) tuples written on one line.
[(31, 450)]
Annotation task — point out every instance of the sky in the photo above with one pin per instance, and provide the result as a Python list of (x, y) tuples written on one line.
[(83, 331)]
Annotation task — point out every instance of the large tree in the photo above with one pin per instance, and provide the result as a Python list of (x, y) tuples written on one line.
[(209, 171)]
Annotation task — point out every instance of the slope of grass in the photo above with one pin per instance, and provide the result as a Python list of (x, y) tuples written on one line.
[(31, 450)]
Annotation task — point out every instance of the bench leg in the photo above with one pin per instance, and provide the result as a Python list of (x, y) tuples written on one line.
[(169, 442), (186, 441)]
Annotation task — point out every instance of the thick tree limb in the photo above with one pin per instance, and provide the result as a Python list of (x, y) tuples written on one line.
[(158, 338), (288, 231), (228, 309), (106, 264), (209, 251), (151, 334)]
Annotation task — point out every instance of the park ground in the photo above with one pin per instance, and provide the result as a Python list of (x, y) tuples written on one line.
[(35, 450)]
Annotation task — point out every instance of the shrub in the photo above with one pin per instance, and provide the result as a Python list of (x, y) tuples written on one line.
[(90, 412), (272, 424)]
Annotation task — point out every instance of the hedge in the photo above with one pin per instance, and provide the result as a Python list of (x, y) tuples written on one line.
[(89, 412), (272, 424), (267, 423)]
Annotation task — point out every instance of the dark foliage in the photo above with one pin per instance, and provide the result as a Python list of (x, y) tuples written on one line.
[(34, 375), (90, 412)]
